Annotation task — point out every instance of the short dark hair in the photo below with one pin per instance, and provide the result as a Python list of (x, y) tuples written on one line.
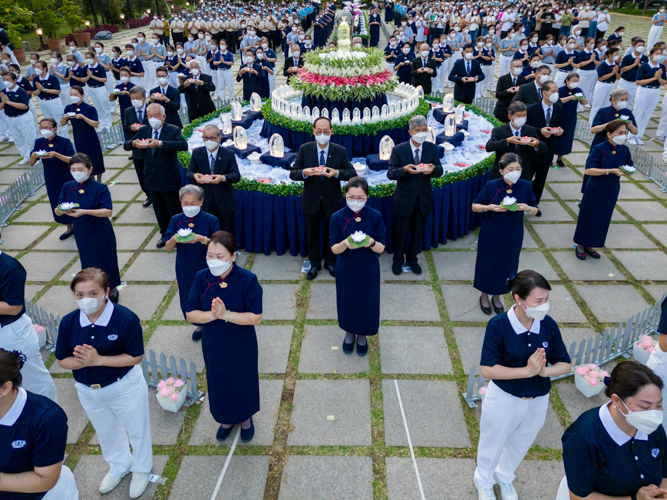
[(321, 118), (544, 66), (78, 88), (91, 274), (508, 158), (50, 120), (10, 368), (81, 158), (571, 75), (619, 28), (613, 126), (225, 239), (525, 282), (162, 69), (468, 46), (629, 377), (516, 107), (547, 86), (357, 182)]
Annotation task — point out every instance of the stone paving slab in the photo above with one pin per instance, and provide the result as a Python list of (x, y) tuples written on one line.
[(40, 212), (123, 192), (279, 301), (658, 231), (322, 352), (9, 175), (274, 345), (317, 401), (152, 266), (131, 237), (322, 302), (555, 235), (601, 269), (455, 266), (552, 211), (644, 265), (115, 162), (567, 191), (143, 300), (469, 341), (440, 477), (173, 312), (615, 216), (397, 302), (20, 237), (570, 335), (136, 214), (52, 241), (176, 341), (537, 262), (620, 301), (45, 267), (462, 302), (538, 479), (528, 241), (432, 410), (656, 291), (313, 477), (386, 274), (644, 210), (123, 258), (58, 300), (68, 400), (631, 191), (270, 392), (563, 174), (575, 402), (564, 309), (462, 243), (413, 350), (128, 176), (245, 477), (626, 236), (278, 267)]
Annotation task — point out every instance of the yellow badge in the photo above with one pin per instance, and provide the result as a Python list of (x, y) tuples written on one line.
[(223, 285), (509, 191), (80, 110), (191, 225), (81, 191), (613, 152), (616, 115), (50, 145), (358, 219)]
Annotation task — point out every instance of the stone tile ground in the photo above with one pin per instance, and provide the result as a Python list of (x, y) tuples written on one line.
[(298, 451)]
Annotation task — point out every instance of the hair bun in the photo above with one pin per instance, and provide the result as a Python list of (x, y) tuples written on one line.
[(508, 281), (607, 380), (21, 357)]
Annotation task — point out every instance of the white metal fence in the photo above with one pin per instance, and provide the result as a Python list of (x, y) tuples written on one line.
[(22, 188)]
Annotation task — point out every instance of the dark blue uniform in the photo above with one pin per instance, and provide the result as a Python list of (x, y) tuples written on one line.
[(403, 72), (56, 172), (600, 194), (12, 287), (583, 56), (85, 137), (116, 64), (98, 72), (563, 144), (564, 57), (124, 101), (358, 313), (251, 82), (374, 29), (603, 70), (17, 95), (631, 75), (393, 52), (501, 235), (264, 80), (646, 71), (606, 115), (95, 238), (50, 83), (230, 350)]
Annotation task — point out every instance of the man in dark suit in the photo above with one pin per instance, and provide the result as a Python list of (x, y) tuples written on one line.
[(546, 117), (215, 170), (510, 138), (321, 166), (423, 69), (168, 97), (508, 86), (465, 74), (198, 92), (412, 165), (135, 118), (159, 143), (251, 73), (294, 63), (530, 93)]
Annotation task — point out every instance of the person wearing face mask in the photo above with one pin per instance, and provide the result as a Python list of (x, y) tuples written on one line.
[(465, 74), (657, 25), (607, 447), (159, 143), (116, 63), (157, 27), (501, 234), (224, 61), (177, 27), (412, 165), (134, 118), (619, 110), (102, 343), (267, 72), (142, 51), (403, 64), (507, 48), (95, 90), (269, 61), (251, 73), (601, 189), (617, 36), (374, 23), (294, 62), (157, 54), (14, 101), (227, 300), (570, 102), (608, 73), (566, 62), (167, 96), (508, 86), (135, 65), (47, 90), (358, 316), (74, 51), (197, 89), (650, 77), (121, 93), (190, 254), (630, 67), (522, 349), (423, 69)]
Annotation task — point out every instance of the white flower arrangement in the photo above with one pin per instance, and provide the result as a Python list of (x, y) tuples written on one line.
[(628, 169), (71, 114), (66, 206), (358, 239), (184, 234), (509, 203), (579, 95), (171, 394), (41, 152)]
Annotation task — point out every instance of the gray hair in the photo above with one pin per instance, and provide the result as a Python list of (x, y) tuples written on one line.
[(417, 121), (616, 94), (138, 90), (156, 107), (214, 127), (189, 189)]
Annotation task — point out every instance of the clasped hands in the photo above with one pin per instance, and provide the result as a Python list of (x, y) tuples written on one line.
[(549, 131), (325, 171), (218, 308), (87, 355), (469, 79), (415, 169), (537, 364), (521, 141), (145, 143), (209, 179)]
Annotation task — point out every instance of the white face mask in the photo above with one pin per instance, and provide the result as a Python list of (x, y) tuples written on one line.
[(194, 71), (640, 49), (72, 49), (80, 177), (621, 104), (534, 64), (544, 78), (162, 80), (265, 46), (524, 48), (355, 205), (520, 122), (38, 72), (553, 97), (538, 312), (76, 98), (54, 61), (323, 139), (517, 71), (211, 145), (90, 305), (420, 137), (424, 54), (155, 123), (179, 51), (140, 39), (619, 139), (513, 176), (570, 46), (124, 79), (296, 55), (616, 57), (129, 53), (46, 133), (218, 267), (191, 211), (480, 44), (646, 421), (468, 56), (98, 50), (657, 58), (406, 51), (137, 103)]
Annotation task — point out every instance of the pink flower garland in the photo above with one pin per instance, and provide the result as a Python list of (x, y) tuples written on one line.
[(308, 77)]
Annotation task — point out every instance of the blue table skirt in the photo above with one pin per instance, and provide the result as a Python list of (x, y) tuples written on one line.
[(244, 153), (245, 122), (358, 146), (285, 162), (270, 223), (439, 115), (321, 103), (455, 140)]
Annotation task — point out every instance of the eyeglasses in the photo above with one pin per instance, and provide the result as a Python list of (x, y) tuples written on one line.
[(360, 198)]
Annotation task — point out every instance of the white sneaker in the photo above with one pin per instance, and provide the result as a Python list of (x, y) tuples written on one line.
[(639, 141), (139, 484), (110, 482), (484, 493), (661, 139), (4, 138), (587, 105), (633, 141), (24, 161), (507, 491)]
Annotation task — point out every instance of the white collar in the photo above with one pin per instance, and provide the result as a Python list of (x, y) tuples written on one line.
[(614, 431), (544, 106), (513, 130), (650, 63), (103, 320), (518, 327), (159, 131), (15, 411)]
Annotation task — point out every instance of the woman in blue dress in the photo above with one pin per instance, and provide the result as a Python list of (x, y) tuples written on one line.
[(501, 234), (619, 450), (374, 23), (33, 435), (601, 189), (190, 255), (84, 122), (403, 63), (227, 301), (93, 232), (617, 111), (122, 94), (388, 11), (56, 166), (264, 76), (567, 93), (358, 309)]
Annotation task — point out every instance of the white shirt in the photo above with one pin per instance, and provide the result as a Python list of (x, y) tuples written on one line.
[(15, 411), (614, 431), (518, 327), (103, 320), (415, 148)]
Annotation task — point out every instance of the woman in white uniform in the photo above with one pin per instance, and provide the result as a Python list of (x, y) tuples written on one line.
[(104, 60), (47, 90), (58, 68), (102, 344), (33, 435), (95, 89), (15, 102), (650, 77), (608, 72)]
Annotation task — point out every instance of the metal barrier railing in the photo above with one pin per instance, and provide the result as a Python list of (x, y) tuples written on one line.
[(23, 187), (613, 343)]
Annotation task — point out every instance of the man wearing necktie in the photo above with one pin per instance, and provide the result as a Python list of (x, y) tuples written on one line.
[(198, 90), (465, 74), (507, 88), (214, 169), (321, 166), (135, 118), (423, 69), (167, 96), (251, 73), (294, 63)]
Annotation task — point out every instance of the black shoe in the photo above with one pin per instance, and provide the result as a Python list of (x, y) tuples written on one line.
[(397, 268), (362, 350), (161, 243), (560, 163), (223, 433), (332, 270), (66, 235), (348, 348), (130, 157), (312, 273), (147, 203), (196, 335), (114, 295), (485, 310), (249, 433), (592, 252), (416, 268), (498, 309), (539, 213)]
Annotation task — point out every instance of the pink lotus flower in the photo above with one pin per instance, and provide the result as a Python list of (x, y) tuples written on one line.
[(39, 328), (482, 391), (594, 382), (581, 370), (164, 393), (161, 384), (650, 349), (594, 374), (174, 396), (170, 381), (179, 383), (591, 366), (604, 373), (587, 378)]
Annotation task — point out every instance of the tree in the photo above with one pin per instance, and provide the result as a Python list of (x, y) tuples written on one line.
[(49, 22), (70, 12), (16, 20)]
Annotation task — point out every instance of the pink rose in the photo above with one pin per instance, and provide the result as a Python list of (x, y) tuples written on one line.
[(593, 373), (581, 370), (482, 391), (164, 393), (161, 384), (587, 378), (174, 396), (591, 366), (170, 381), (646, 338), (650, 349), (39, 328), (594, 382), (604, 373), (179, 383)]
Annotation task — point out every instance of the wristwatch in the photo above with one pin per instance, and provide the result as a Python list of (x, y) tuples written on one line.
[(372, 244), (159, 144)]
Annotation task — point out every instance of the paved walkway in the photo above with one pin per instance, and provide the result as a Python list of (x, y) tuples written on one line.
[(330, 424)]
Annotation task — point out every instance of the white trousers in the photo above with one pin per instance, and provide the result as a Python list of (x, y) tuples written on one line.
[(205, 69), (138, 80), (272, 81), (645, 103), (662, 126), (100, 100), (657, 362), (173, 79), (53, 108), (446, 68), (504, 66), (24, 132), (653, 37), (149, 75), (552, 71), (587, 81), (33, 109), (22, 336), (664, 153), (559, 78), (64, 96), (492, 83), (563, 491), (225, 84), (117, 411), (483, 86), (109, 85), (601, 95), (65, 488), (631, 87), (4, 125), (507, 428)]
